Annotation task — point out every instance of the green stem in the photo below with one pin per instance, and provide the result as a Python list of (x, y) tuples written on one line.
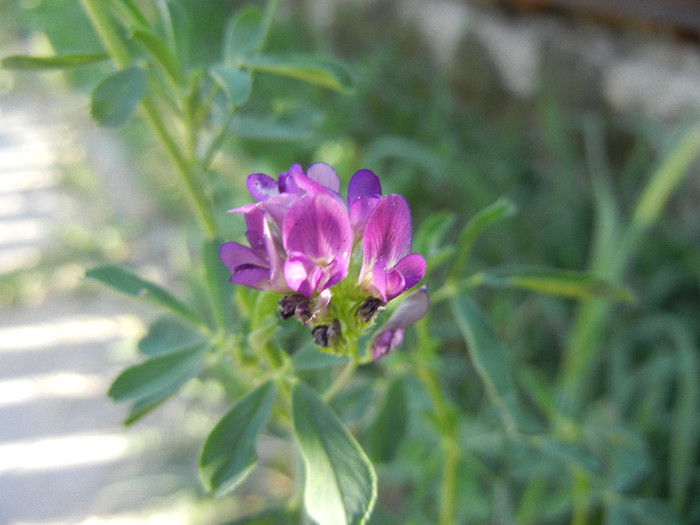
[(107, 31), (448, 443), (114, 44), (189, 178), (340, 381)]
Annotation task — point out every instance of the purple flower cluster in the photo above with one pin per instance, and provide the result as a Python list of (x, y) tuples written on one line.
[(301, 234)]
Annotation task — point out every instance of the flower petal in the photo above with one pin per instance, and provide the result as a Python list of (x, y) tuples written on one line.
[(298, 269), (261, 187), (388, 232), (360, 211), (385, 342), (390, 334), (235, 255), (253, 277), (363, 183), (318, 225), (411, 270), (324, 175)]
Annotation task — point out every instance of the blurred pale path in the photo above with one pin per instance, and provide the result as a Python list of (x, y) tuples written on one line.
[(64, 456)]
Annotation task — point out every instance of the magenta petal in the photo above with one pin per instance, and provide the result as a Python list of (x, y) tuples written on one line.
[(388, 231), (235, 255), (318, 226), (378, 283), (411, 269), (360, 211), (363, 183), (261, 187), (297, 270), (324, 175)]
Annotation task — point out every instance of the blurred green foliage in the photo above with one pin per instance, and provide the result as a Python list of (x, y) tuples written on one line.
[(453, 141)]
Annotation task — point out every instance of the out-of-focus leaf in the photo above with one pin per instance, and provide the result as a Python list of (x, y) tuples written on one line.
[(431, 231), (229, 454), (131, 284), (168, 334), (158, 374), (159, 50), (555, 281), (326, 73), (145, 405), (499, 210), (340, 485), (177, 27), (236, 83), (310, 358), (489, 359), (571, 453), (385, 433), (243, 36), (116, 98), (33, 63), (293, 128), (670, 173), (622, 511), (684, 443)]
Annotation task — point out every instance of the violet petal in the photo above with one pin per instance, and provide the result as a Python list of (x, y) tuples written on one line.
[(363, 183), (261, 187), (252, 276), (324, 175), (390, 334), (234, 255)]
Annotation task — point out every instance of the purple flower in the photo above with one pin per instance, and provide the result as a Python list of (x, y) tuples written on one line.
[(388, 267), (317, 237), (390, 334), (364, 193), (260, 265)]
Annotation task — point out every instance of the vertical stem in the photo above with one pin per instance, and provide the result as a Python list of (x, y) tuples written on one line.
[(107, 32), (448, 443), (193, 191), (114, 44)]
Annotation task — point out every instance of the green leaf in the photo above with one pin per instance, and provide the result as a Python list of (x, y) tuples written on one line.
[(168, 334), (33, 63), (271, 128), (229, 454), (131, 284), (217, 276), (385, 433), (555, 281), (326, 73), (666, 178), (310, 358), (489, 358), (116, 98), (178, 30), (499, 210), (243, 36), (236, 83), (158, 374), (159, 50), (340, 486)]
